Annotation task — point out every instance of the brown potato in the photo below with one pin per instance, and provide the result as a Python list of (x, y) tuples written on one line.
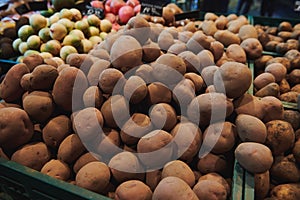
[(261, 62), (173, 188), (39, 105), (183, 93), (198, 42), (254, 157), (249, 104), (145, 72), (247, 31), (219, 137), (111, 81), (218, 178), (165, 40), (226, 37), (221, 22), (217, 49), (263, 80), (210, 189), (233, 79), (293, 117), (192, 61), (56, 130), (210, 16), (208, 74), (272, 89), (209, 27), (271, 45), (93, 97), (10, 91), (96, 69), (277, 70), (139, 28), (93, 176), (109, 143), (250, 129), (294, 77), (57, 169), (163, 116), (279, 140), (236, 52), (272, 108), (261, 185), (252, 47), (285, 35), (151, 51), (296, 88), (289, 97), (235, 25), (135, 89), (100, 53), (70, 149), (32, 155), (293, 56), (83, 160), (196, 79), (284, 86), (282, 60), (33, 61), (129, 190), (153, 178), (206, 59), (296, 150), (159, 93), (212, 163), (184, 36), (288, 191)]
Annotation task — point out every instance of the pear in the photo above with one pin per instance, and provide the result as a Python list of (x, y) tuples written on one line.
[(58, 31), (24, 32), (34, 42), (95, 40), (67, 23), (16, 43), (93, 31), (66, 50), (76, 14), (37, 21), (46, 55), (105, 25), (87, 45), (23, 47), (66, 13), (93, 20), (54, 18), (31, 52), (103, 35), (44, 34), (82, 25), (78, 33), (43, 47), (53, 47), (71, 40)]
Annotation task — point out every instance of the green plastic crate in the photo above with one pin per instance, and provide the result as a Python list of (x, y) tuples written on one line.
[(18, 182), (267, 21)]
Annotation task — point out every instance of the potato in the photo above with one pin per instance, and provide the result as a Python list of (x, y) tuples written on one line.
[(206, 59), (93, 97), (261, 185), (293, 56), (153, 178), (296, 88), (296, 150), (62, 66), (272, 108), (135, 128), (290, 191), (126, 53), (138, 28), (271, 46), (294, 77), (282, 60), (226, 37), (39, 105), (277, 70), (188, 138), (264, 38), (210, 16), (109, 143), (233, 79), (151, 51), (250, 129), (219, 137), (173, 188), (111, 81), (33, 61), (212, 163), (221, 22), (210, 107), (285, 170), (177, 48), (272, 89), (192, 61), (184, 36), (88, 123), (282, 47), (126, 166), (198, 42), (183, 93), (157, 142), (208, 74), (190, 26), (145, 72), (235, 25), (247, 31), (135, 89), (217, 49), (165, 40), (289, 97), (285, 35), (96, 69), (236, 52), (129, 190), (16, 128), (209, 27), (159, 93), (254, 157), (83, 160), (196, 79), (163, 116), (70, 84), (284, 86), (93, 176), (179, 169), (252, 47), (33, 155), (285, 26), (261, 62), (169, 69), (210, 189), (57, 169), (115, 111), (56, 130), (293, 117), (281, 136), (70, 149), (100, 53), (263, 80), (218, 178), (10, 91)]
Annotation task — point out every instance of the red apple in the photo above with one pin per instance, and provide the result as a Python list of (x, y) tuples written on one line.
[(115, 6), (116, 26), (125, 13), (137, 9), (107, 6), (111, 17), (132, 3), (97, 4)]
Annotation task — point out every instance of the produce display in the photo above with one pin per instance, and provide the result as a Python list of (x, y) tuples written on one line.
[(157, 108)]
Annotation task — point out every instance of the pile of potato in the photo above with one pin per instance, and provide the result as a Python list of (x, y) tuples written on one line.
[(156, 111)]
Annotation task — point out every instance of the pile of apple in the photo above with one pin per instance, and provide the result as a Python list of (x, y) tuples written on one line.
[(62, 33), (118, 11)]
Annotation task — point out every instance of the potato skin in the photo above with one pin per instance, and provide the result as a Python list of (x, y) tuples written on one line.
[(16, 128), (277, 70), (173, 188), (226, 37), (57, 169), (252, 47), (254, 157), (163, 116), (33, 155), (218, 178), (211, 163), (133, 190), (43, 77), (10, 90), (210, 190), (83, 160), (263, 80), (262, 185), (290, 191), (93, 176)]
